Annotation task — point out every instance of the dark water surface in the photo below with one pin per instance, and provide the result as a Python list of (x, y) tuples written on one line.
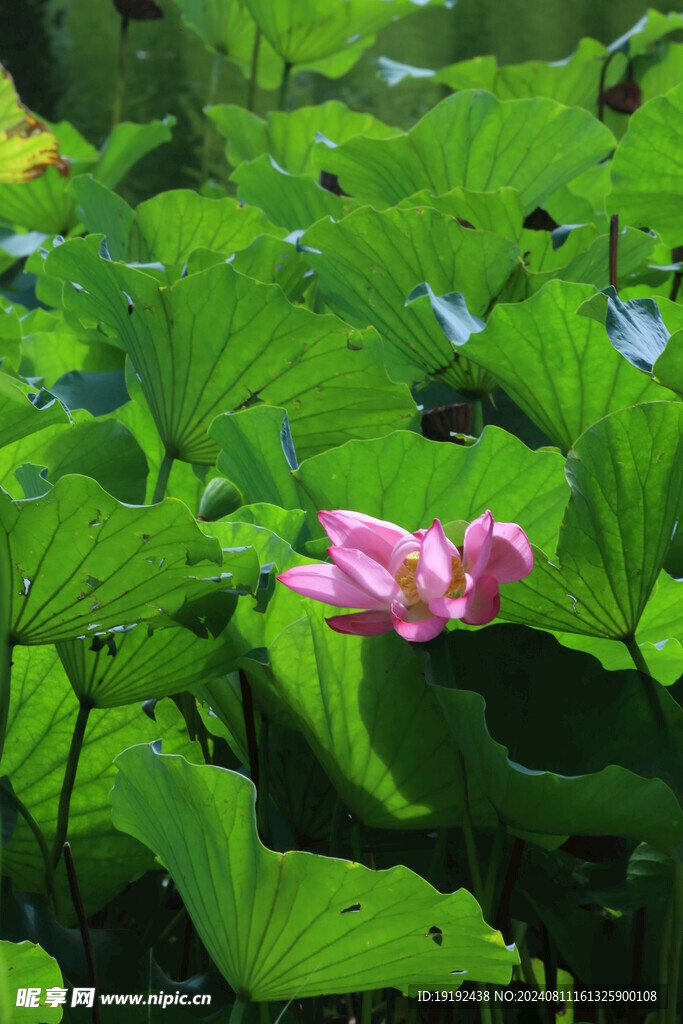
[(63, 55)]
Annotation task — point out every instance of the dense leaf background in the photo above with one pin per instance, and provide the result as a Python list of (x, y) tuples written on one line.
[(458, 290)]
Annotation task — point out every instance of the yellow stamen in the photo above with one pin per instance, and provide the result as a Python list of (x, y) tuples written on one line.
[(405, 577)]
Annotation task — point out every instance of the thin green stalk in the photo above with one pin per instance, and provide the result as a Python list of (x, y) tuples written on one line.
[(22, 809), (366, 1008), (468, 831), (6, 571), (162, 479), (120, 73), (77, 901), (284, 87), (675, 943), (5, 675), (238, 1011), (477, 417), (253, 76), (69, 780), (214, 79), (637, 655), (263, 1013), (472, 858)]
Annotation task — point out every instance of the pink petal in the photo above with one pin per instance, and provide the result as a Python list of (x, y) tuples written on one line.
[(375, 537), (367, 573), (454, 607), (486, 602), (416, 623), (405, 547), (511, 556), (434, 569), (477, 546), (329, 584), (361, 623)]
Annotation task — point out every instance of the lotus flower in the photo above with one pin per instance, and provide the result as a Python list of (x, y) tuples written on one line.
[(412, 582)]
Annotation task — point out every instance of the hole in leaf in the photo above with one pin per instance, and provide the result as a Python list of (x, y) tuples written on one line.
[(435, 934), (353, 909)]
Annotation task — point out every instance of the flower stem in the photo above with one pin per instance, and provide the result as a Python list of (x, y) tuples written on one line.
[(40, 839), (69, 780), (366, 1007), (162, 479)]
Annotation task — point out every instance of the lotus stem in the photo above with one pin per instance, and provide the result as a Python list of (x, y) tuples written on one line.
[(69, 780), (237, 1012), (83, 925), (162, 479), (477, 417), (40, 839)]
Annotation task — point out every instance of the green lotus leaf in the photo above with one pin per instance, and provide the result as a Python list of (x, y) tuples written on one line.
[(288, 200), (561, 747), (409, 480), (653, 26), (208, 322), (135, 665), (588, 263), (46, 205), (41, 722), (626, 478), (79, 562), (332, 38), (27, 146), (500, 211), (272, 261), (168, 227), (257, 453), (24, 411), (392, 771), (289, 137), (668, 369), (127, 144), (558, 366), (641, 331), (471, 139), (297, 785), (226, 28), (51, 347), (369, 263), (574, 81), (26, 965), (647, 169), (280, 925), (79, 448)]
